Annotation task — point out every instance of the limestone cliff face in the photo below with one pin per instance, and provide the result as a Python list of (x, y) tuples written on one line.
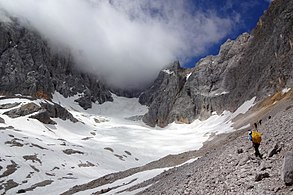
[(29, 67), (252, 65), (161, 95)]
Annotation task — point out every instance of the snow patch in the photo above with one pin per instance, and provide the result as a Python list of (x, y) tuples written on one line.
[(244, 107), (244, 127), (127, 182), (168, 71), (187, 77), (103, 142), (285, 90), (223, 93)]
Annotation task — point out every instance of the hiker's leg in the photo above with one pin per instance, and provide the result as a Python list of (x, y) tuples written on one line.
[(256, 149), (257, 153)]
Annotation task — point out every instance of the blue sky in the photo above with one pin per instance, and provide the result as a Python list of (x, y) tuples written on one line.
[(248, 12), (127, 42)]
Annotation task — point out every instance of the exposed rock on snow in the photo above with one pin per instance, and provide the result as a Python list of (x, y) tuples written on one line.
[(71, 151), (161, 96), (9, 105), (44, 117), (23, 110), (56, 111)]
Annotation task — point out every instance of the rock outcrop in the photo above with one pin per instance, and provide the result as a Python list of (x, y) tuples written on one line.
[(43, 112), (2, 120), (287, 169), (44, 117), (57, 111), (29, 67), (256, 64), (23, 110), (161, 95)]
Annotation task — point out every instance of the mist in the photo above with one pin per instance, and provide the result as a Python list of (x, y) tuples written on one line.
[(124, 42)]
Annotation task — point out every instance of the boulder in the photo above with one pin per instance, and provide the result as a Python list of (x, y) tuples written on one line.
[(44, 117), (239, 151), (84, 102), (244, 160), (2, 120), (261, 176), (23, 110), (275, 150), (9, 105), (57, 111), (287, 169), (21, 191), (263, 166)]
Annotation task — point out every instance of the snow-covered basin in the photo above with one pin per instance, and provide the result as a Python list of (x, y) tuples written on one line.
[(120, 133), (106, 135)]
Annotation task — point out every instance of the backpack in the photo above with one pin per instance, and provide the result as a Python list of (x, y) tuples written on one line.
[(256, 137)]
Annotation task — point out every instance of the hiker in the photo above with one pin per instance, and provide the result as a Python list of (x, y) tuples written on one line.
[(255, 137)]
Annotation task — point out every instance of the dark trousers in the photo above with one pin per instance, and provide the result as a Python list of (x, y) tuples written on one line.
[(256, 146)]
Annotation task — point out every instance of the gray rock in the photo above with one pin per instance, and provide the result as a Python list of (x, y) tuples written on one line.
[(23, 110), (2, 120), (250, 187), (109, 177), (21, 191), (44, 117), (243, 160), (84, 102), (57, 111), (261, 176), (253, 65), (9, 105), (263, 166), (275, 150), (161, 96), (287, 169), (200, 92), (29, 67), (239, 151)]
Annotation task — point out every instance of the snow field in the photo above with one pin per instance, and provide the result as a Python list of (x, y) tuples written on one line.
[(102, 142)]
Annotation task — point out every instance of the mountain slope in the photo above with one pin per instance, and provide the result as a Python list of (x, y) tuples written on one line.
[(231, 167), (55, 157), (253, 65), (28, 66)]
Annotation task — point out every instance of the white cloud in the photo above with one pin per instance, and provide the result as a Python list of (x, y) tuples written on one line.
[(126, 42)]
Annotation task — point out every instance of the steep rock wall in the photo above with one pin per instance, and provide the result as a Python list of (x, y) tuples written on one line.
[(253, 65), (29, 67)]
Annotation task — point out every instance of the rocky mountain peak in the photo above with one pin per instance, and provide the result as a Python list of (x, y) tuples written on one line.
[(256, 64), (169, 82)]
